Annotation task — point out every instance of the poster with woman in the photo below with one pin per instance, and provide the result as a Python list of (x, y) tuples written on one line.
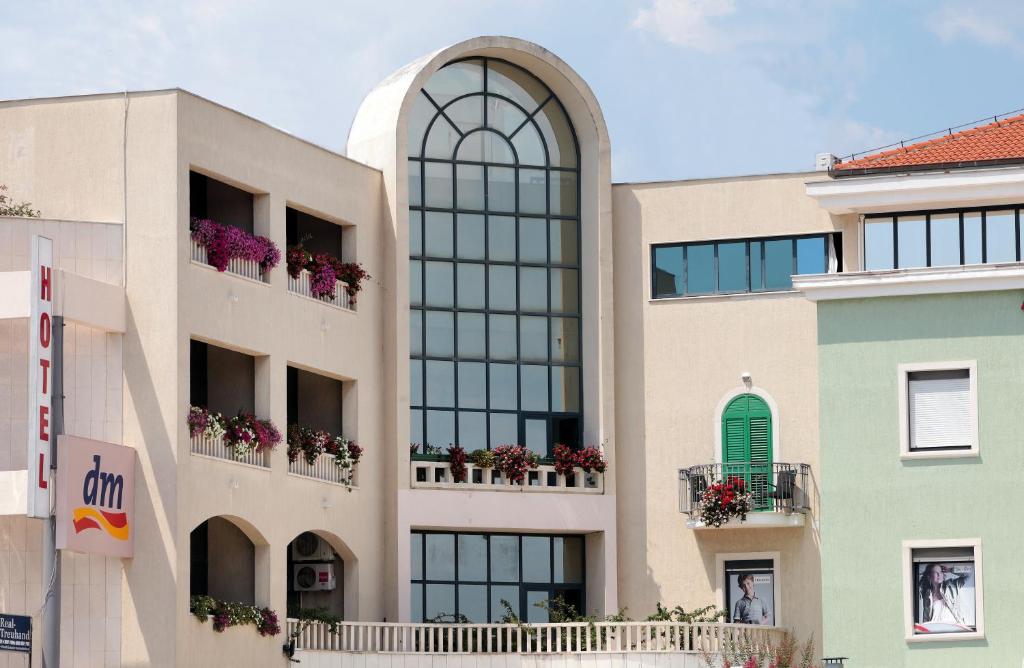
[(945, 597)]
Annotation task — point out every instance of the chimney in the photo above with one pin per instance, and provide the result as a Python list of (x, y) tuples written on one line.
[(824, 162)]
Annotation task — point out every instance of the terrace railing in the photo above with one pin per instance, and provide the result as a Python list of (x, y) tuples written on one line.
[(301, 286), (244, 268), (777, 487), (218, 449), (324, 469), (438, 475)]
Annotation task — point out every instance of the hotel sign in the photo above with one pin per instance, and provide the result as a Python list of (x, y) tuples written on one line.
[(95, 497), (40, 377)]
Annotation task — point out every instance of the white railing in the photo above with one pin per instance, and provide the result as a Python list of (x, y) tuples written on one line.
[(244, 268), (216, 447), (301, 286), (324, 469), (438, 475), (577, 637)]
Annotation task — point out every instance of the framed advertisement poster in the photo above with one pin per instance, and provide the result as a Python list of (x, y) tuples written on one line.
[(945, 599), (749, 586)]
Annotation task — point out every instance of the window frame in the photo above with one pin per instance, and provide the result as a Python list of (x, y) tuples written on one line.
[(907, 451), (910, 595), (721, 584)]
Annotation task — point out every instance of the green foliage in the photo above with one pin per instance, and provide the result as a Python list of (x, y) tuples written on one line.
[(230, 613), (485, 459), (707, 614), (308, 616), (9, 207)]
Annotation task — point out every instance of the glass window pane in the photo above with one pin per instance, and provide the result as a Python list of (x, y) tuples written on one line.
[(440, 384), (467, 114), (533, 338), (503, 387), (972, 237), (485, 147), (417, 602), (502, 330), (504, 558), (438, 238), (535, 435), (455, 79), (472, 557), (500, 597), (415, 332), (472, 385), (501, 189), (565, 389), (503, 116), (528, 146), (778, 264), (501, 238), (422, 113), (472, 430), (668, 271), (536, 610), (470, 236), (945, 239), (911, 241), (415, 233), (878, 248), (532, 191), (440, 603), (565, 286), (536, 559), (441, 140), (700, 269), (732, 267), (439, 289), (564, 242), (554, 126), (416, 555), (416, 426), (533, 240), (438, 182), (440, 561), (470, 186), (533, 289), (472, 604), (415, 186), (440, 429), (470, 285), (501, 288), (440, 333), (811, 257), (756, 277), (1000, 237), (504, 429), (513, 83), (471, 335), (415, 282), (534, 381), (565, 339), (568, 559), (416, 382), (563, 193)]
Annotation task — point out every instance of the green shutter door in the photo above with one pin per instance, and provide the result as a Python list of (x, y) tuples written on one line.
[(747, 446)]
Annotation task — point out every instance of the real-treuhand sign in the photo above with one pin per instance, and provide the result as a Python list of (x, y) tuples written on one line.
[(40, 377), (95, 497)]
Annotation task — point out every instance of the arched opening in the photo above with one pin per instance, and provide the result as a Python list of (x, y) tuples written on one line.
[(225, 553), (747, 446), (321, 576)]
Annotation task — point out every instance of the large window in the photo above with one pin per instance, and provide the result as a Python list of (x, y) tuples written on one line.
[(942, 238), (743, 265), (470, 577), (494, 244)]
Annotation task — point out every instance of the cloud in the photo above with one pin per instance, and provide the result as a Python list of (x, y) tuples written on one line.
[(954, 21), (688, 23)]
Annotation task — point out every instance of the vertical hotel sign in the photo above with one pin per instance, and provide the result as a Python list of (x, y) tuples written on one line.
[(40, 377)]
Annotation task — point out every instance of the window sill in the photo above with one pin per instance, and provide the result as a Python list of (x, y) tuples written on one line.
[(725, 295), (940, 454), (945, 637)]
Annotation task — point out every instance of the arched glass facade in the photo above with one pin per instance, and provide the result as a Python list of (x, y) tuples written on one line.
[(494, 245)]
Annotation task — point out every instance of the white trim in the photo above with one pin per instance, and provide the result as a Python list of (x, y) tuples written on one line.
[(755, 520), (918, 281), (902, 372), (722, 557), (772, 406), (909, 593)]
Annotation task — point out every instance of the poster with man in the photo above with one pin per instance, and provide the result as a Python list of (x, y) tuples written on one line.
[(945, 597), (750, 592)]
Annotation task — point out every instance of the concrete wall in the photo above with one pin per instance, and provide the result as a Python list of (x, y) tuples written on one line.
[(231, 560), (230, 381), (869, 492), (319, 402)]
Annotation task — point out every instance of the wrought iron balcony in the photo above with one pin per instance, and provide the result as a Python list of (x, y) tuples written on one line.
[(779, 493)]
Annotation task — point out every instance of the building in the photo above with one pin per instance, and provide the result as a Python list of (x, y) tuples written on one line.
[(515, 296)]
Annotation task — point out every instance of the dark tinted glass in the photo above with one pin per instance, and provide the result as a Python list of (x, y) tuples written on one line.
[(668, 271), (700, 269), (778, 264), (732, 267)]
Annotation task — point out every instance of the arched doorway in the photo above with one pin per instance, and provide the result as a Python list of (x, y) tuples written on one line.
[(321, 576), (747, 446)]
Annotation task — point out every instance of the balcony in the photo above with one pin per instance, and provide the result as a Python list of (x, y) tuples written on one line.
[(780, 493), (244, 268), (217, 448), (544, 478), (300, 285)]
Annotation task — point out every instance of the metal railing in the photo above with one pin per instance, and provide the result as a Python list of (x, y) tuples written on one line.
[(777, 487), (438, 475), (324, 469), (571, 637), (217, 448), (301, 286), (244, 268)]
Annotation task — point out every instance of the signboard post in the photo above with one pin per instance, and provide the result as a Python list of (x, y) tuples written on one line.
[(40, 377), (16, 633)]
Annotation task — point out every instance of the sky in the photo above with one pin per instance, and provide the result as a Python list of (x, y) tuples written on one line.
[(689, 88)]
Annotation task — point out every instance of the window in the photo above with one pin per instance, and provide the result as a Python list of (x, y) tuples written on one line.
[(748, 587), (942, 238), (938, 406), (494, 261), (469, 577), (942, 596), (728, 267)]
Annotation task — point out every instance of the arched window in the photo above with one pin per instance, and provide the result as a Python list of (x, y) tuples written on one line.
[(747, 445), (494, 244)]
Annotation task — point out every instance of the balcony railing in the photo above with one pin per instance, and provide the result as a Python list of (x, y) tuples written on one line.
[(575, 637), (324, 469), (774, 488), (438, 475), (217, 448), (244, 268), (301, 286)]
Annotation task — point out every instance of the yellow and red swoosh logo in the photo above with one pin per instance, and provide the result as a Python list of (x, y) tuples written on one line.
[(115, 524)]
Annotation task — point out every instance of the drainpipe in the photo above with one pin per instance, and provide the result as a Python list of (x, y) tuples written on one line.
[(51, 558)]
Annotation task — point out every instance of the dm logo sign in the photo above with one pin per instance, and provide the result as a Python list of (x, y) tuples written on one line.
[(95, 495)]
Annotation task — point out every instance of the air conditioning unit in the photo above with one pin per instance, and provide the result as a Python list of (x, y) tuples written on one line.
[(311, 547), (314, 577)]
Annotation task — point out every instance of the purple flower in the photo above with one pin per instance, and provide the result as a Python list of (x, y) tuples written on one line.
[(224, 243)]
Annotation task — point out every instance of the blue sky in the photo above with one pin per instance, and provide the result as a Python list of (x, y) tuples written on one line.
[(690, 88)]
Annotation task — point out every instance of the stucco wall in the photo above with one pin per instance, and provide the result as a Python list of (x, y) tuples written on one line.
[(869, 494)]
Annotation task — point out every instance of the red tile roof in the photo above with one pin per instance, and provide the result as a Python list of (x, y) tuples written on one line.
[(1001, 140)]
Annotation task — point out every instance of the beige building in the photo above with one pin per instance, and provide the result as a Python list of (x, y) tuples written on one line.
[(515, 296)]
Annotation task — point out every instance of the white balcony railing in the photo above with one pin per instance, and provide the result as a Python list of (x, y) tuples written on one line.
[(576, 637), (438, 475), (300, 286), (324, 469), (244, 268), (217, 448)]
